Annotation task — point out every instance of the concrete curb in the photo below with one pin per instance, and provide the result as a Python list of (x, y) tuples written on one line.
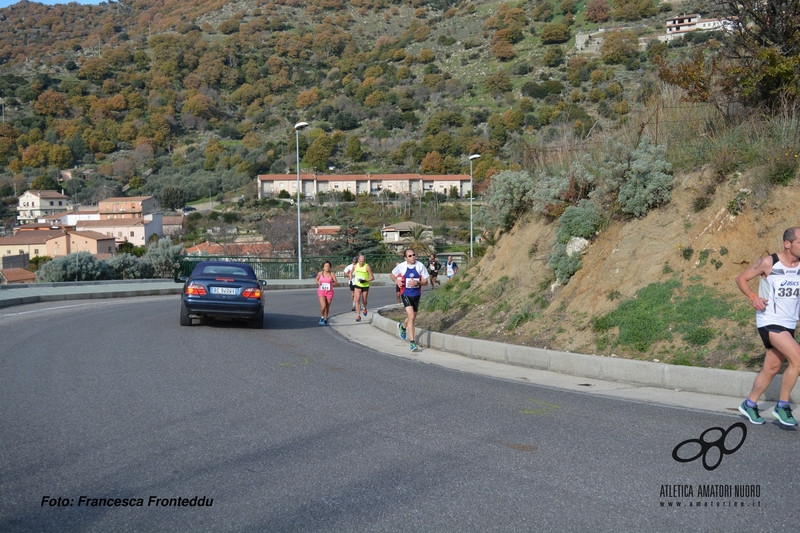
[(732, 383)]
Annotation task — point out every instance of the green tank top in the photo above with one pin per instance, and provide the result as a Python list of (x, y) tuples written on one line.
[(360, 272)]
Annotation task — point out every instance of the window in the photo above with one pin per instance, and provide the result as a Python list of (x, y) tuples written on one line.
[(131, 234), (119, 234), (60, 202), (36, 251), (52, 203)]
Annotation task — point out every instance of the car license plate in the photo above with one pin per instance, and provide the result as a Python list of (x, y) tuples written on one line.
[(224, 290)]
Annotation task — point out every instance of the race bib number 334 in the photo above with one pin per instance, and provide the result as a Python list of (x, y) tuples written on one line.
[(788, 292)]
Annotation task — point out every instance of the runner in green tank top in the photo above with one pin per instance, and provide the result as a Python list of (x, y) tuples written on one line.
[(362, 276)]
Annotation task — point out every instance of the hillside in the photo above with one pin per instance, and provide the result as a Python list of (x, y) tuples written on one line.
[(513, 282), (204, 94)]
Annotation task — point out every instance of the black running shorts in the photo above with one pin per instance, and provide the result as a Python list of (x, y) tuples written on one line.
[(410, 301), (764, 332)]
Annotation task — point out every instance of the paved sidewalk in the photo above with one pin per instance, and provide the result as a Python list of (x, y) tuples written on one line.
[(690, 387), (634, 388)]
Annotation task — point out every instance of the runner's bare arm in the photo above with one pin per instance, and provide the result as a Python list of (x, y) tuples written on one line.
[(761, 267)]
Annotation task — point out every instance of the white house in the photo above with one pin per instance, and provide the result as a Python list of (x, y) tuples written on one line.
[(34, 204), (270, 185), (137, 231), (398, 236)]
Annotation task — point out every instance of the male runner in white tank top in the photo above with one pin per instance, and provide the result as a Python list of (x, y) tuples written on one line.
[(776, 320)]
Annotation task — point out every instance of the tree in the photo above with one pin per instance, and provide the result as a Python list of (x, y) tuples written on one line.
[(354, 150), (355, 241), (51, 103), (499, 81), (319, 152), (503, 50), (554, 56), (555, 33), (619, 46), (420, 241), (60, 156), (200, 105), (163, 256), (45, 182), (173, 197), (598, 11), (765, 51), (432, 164), (95, 69)]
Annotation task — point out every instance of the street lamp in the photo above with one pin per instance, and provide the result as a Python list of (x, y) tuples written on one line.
[(297, 127), (471, 194)]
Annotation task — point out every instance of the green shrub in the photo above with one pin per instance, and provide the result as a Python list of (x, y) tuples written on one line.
[(81, 266), (508, 197), (563, 264), (639, 178), (579, 221)]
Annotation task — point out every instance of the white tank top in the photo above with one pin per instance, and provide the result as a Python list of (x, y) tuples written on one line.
[(783, 293)]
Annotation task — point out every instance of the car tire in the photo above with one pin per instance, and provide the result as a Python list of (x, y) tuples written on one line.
[(257, 322), (186, 320)]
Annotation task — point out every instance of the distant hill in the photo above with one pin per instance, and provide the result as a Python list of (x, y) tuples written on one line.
[(206, 92)]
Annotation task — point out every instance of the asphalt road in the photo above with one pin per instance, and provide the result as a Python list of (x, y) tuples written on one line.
[(293, 428)]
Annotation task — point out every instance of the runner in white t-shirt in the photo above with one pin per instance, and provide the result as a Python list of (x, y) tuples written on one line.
[(348, 272)]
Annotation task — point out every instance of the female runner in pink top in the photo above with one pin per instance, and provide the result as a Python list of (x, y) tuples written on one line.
[(326, 281)]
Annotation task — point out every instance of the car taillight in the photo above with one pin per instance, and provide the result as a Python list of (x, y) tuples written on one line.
[(252, 293), (196, 290)]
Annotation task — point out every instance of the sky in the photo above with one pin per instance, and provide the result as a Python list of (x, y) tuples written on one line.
[(6, 3)]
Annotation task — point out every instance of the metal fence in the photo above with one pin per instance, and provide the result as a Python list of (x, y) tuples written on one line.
[(286, 268)]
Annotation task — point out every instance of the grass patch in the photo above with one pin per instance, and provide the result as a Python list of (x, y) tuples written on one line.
[(663, 308)]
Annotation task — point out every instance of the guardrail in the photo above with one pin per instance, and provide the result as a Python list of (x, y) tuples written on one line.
[(286, 267)]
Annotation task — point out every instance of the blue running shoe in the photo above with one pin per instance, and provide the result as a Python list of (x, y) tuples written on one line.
[(321, 321), (401, 331), (751, 413), (784, 415), (325, 322), (413, 346)]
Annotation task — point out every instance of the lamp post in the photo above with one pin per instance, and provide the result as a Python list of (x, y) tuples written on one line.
[(297, 127), (472, 158)]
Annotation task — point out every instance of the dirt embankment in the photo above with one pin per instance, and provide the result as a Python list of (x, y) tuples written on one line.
[(512, 282)]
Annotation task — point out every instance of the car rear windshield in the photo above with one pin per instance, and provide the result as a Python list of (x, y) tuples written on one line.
[(224, 270)]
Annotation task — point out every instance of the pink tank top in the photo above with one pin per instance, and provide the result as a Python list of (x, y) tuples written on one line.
[(325, 286)]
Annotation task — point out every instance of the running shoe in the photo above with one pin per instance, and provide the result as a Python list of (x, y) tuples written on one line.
[(751, 413), (784, 415), (413, 346), (353, 308), (358, 319), (401, 331), (321, 321), (325, 322)]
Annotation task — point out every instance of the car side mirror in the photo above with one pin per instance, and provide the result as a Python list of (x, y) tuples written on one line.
[(182, 279), (263, 282)]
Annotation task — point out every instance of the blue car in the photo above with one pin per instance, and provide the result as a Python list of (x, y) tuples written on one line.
[(222, 289)]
